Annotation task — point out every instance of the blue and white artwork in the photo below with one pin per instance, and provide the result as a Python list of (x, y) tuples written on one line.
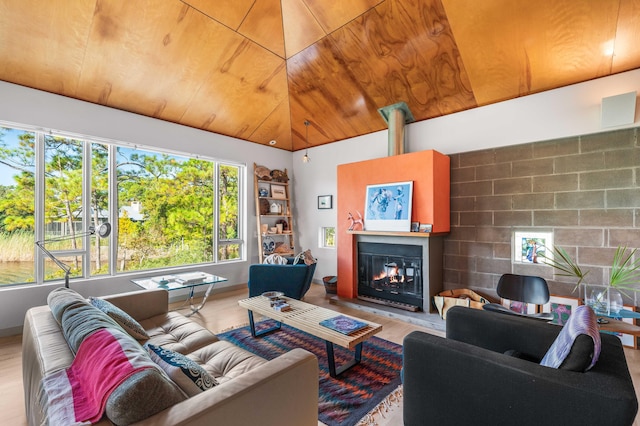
[(388, 207)]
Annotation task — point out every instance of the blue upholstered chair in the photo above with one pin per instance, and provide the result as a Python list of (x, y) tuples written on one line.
[(293, 280)]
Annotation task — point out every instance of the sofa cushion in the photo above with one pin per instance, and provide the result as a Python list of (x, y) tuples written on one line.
[(144, 393), (571, 351), (184, 372), (123, 319), (77, 318), (62, 298), (176, 332), (225, 361)]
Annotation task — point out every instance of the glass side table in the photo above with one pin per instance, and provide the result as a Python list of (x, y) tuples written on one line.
[(188, 280)]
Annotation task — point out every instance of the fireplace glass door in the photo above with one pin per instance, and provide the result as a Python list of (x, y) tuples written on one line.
[(391, 272)]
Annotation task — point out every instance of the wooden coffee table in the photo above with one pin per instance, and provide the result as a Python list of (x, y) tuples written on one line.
[(306, 317)]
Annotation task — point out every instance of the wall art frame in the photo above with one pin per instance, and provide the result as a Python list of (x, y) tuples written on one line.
[(388, 206), (325, 202), (532, 247)]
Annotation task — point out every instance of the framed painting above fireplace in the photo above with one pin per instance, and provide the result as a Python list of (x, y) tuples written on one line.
[(388, 207)]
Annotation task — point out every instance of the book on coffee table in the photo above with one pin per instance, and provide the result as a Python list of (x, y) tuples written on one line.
[(343, 324)]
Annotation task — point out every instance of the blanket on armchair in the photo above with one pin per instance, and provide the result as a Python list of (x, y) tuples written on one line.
[(78, 394)]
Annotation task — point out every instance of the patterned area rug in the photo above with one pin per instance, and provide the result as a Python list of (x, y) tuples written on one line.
[(343, 401)]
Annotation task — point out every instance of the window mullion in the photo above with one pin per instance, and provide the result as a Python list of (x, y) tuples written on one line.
[(39, 203), (86, 207)]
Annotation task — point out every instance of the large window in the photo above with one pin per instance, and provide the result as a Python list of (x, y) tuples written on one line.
[(169, 209)]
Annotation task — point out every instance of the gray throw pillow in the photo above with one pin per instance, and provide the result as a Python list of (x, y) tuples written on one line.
[(123, 319)]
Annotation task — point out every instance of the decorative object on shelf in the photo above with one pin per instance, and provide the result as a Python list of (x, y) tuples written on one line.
[(325, 202), (275, 208), (415, 226), (268, 244), (279, 176), (285, 225), (278, 228), (263, 206), (531, 247), (388, 206), (282, 248), (279, 192), (606, 299), (306, 158), (425, 227), (263, 192), (263, 173), (264, 228), (355, 221)]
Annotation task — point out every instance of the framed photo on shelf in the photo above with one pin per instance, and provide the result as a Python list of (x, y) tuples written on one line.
[(532, 247), (561, 308), (388, 206), (425, 227), (279, 192), (325, 201), (415, 226)]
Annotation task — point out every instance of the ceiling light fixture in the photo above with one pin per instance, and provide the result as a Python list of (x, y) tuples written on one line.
[(306, 158)]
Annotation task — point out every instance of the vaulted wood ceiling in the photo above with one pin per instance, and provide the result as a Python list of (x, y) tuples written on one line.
[(257, 69)]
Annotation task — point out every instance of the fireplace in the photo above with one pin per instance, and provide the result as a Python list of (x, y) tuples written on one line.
[(391, 274)]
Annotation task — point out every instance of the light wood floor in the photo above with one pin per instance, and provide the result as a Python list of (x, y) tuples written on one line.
[(220, 313)]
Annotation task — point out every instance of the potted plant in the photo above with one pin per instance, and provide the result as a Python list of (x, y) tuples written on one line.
[(624, 276)]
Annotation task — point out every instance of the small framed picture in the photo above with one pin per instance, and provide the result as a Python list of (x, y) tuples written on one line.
[(279, 192), (531, 247), (325, 201), (425, 227), (561, 308), (415, 226)]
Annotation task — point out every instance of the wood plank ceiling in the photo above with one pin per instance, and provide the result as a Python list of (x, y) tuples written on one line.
[(257, 69)]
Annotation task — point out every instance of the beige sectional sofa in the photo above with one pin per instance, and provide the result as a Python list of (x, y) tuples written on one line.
[(250, 390)]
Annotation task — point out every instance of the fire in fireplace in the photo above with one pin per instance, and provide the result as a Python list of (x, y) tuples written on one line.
[(391, 274)]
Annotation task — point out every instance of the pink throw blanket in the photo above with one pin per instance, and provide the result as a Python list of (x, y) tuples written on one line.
[(79, 394)]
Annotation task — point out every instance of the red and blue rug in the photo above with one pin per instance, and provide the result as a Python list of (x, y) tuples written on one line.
[(347, 399)]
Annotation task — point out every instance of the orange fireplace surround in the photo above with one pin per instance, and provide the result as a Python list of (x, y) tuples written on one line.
[(429, 171)]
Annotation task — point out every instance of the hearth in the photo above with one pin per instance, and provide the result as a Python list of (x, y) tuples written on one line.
[(391, 274)]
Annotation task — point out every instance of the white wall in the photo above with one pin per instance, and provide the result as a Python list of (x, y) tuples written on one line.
[(568, 111), (25, 106)]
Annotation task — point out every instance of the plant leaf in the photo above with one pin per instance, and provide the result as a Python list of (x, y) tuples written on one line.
[(563, 262), (625, 272)]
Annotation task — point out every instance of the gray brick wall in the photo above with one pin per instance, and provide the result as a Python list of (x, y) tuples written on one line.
[(584, 189)]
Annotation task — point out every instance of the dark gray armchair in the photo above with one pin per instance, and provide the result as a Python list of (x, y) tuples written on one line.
[(468, 379)]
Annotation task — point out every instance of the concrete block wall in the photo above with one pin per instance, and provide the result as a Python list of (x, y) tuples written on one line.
[(584, 189)]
